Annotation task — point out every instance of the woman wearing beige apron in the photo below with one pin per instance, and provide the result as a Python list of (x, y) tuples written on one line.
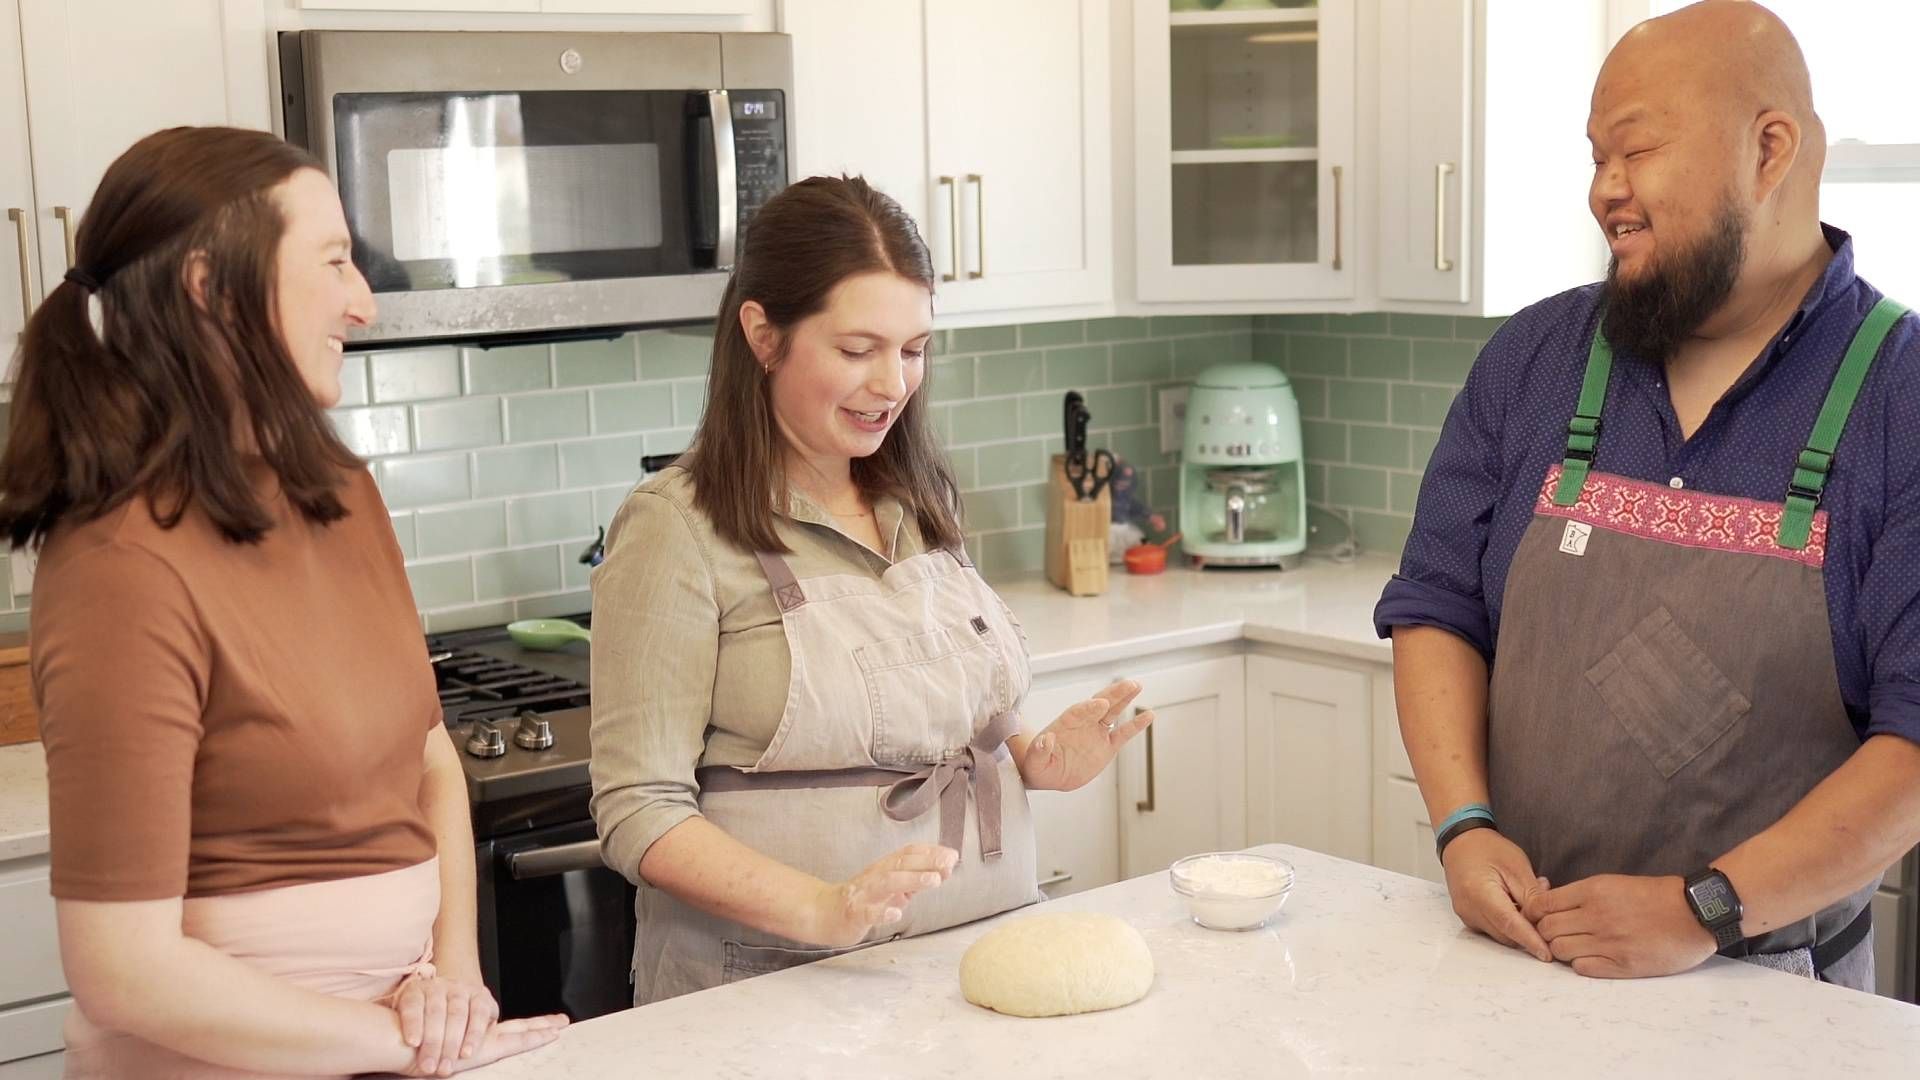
[(806, 730), (261, 861)]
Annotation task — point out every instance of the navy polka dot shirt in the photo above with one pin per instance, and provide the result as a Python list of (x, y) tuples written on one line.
[(1509, 423)]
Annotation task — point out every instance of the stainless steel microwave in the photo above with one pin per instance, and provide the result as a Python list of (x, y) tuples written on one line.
[(543, 184)]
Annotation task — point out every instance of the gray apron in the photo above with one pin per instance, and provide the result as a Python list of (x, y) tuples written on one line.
[(1663, 683), (900, 702)]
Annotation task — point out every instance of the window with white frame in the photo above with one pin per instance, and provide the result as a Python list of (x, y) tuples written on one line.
[(1865, 88)]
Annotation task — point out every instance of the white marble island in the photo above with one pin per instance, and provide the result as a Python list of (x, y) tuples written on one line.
[(1365, 973)]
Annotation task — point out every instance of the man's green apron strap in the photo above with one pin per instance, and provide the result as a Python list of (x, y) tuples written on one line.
[(1810, 471), (1583, 431)]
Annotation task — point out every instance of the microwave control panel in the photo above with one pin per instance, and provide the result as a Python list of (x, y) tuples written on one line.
[(759, 149)]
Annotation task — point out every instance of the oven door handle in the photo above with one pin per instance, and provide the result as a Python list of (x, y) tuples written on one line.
[(547, 862), (721, 110)]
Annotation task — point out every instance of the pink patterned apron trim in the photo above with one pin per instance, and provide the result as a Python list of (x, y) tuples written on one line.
[(1679, 516)]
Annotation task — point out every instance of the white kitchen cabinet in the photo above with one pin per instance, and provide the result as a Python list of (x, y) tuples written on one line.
[(19, 284), (1309, 756), (1183, 782), (1076, 833), (1244, 124), (1018, 117), (842, 125), (101, 74), (33, 1001), (1402, 831), (549, 7), (1482, 152), (992, 128)]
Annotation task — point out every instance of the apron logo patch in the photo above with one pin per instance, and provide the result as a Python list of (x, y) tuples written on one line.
[(979, 625), (1574, 540)]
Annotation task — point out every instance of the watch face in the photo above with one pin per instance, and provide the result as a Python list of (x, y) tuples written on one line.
[(1713, 899)]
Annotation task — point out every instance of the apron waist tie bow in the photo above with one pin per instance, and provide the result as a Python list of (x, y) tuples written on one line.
[(944, 783)]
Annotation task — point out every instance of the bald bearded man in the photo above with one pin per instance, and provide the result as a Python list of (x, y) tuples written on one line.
[(1656, 639)]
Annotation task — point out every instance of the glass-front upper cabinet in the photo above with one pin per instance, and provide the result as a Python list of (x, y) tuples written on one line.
[(1244, 125)]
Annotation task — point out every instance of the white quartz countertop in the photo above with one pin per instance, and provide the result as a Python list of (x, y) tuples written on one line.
[(1324, 606), (23, 801), (1365, 973)]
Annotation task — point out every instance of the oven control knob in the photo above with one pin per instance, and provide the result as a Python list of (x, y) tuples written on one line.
[(486, 741), (534, 732)]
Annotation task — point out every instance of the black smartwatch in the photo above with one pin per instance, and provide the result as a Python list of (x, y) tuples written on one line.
[(1717, 906)]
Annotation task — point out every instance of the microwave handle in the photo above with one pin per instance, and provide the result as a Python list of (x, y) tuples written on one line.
[(721, 111)]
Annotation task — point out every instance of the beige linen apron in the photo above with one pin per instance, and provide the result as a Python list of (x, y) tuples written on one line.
[(1664, 684), (358, 938), (901, 698)]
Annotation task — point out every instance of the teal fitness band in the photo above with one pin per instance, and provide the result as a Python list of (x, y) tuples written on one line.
[(1466, 819)]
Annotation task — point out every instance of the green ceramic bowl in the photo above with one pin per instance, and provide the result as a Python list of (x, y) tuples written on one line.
[(546, 635)]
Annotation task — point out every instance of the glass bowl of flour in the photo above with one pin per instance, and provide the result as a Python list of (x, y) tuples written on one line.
[(1232, 890)]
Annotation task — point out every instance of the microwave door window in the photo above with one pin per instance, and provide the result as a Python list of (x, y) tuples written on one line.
[(447, 191)]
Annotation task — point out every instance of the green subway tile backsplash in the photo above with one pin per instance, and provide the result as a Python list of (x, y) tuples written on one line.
[(500, 464), (508, 371), (546, 417)]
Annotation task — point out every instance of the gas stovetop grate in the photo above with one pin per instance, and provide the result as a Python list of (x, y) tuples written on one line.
[(475, 686)]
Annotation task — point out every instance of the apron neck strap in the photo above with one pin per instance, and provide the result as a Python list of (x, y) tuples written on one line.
[(786, 588), (1583, 431), (1810, 471)]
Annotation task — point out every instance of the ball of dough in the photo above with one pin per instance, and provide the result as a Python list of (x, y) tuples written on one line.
[(1057, 965)]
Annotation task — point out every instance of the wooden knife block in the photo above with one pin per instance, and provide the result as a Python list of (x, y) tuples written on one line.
[(1076, 534)]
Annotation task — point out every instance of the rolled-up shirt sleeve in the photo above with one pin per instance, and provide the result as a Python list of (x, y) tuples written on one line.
[(656, 646), (1439, 583), (1888, 605)]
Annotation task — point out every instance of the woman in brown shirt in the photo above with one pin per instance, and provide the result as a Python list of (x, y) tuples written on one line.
[(262, 861)]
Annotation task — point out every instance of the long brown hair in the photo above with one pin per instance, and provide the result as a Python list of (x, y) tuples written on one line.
[(148, 405), (801, 244)]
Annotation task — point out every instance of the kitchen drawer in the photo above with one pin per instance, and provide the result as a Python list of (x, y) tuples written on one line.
[(44, 1067), (32, 1030), (30, 950)]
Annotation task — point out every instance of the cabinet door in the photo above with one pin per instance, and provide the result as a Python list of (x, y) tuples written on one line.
[(1426, 157), (1402, 835), (30, 950), (1018, 120), (1309, 769), (1183, 790), (842, 125), (101, 74), (19, 284), (1076, 833), (1244, 125)]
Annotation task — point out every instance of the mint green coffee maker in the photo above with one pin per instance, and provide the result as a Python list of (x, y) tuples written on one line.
[(1243, 496)]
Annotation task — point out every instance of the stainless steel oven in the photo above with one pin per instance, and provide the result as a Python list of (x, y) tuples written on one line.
[(541, 184)]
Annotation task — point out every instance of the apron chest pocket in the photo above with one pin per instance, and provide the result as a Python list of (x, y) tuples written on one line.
[(1668, 695), (926, 692)]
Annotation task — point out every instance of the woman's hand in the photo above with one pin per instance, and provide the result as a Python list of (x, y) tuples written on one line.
[(446, 1020), (846, 913), (510, 1037), (1083, 740)]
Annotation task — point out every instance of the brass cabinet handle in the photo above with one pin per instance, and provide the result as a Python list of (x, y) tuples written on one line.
[(1336, 217), (979, 223), (953, 229), (1145, 806), (66, 216), (19, 219), (1440, 174)]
